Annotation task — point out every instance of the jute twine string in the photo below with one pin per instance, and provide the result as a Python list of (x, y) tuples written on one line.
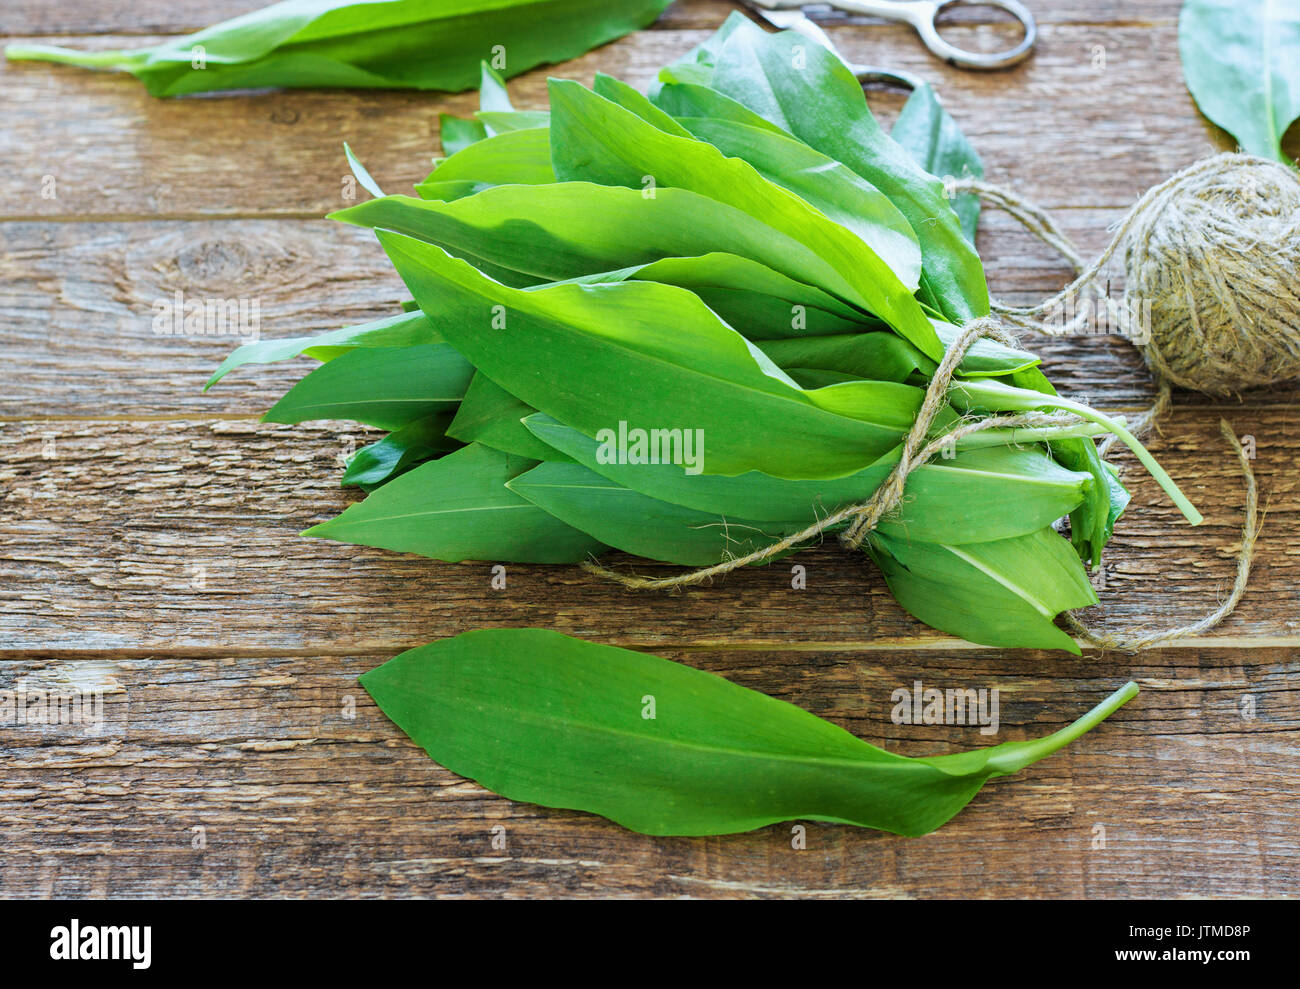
[(863, 517), (1213, 252), (1206, 264), (1243, 342)]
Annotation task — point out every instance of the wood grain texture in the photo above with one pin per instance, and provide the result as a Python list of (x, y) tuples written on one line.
[(1099, 132), (77, 310), (183, 534), (295, 797), (74, 17), (148, 532)]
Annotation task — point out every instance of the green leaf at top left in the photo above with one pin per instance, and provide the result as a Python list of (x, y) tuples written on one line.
[(370, 44), (386, 387), (459, 508)]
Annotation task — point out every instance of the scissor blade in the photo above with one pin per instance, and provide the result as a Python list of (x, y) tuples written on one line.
[(795, 20)]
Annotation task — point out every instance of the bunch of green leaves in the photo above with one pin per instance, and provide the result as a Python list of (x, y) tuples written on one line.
[(368, 44), (1241, 59), (742, 255), (541, 717)]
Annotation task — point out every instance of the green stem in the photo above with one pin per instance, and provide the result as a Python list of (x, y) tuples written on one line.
[(1027, 434), (67, 56), (999, 397), (1018, 755)]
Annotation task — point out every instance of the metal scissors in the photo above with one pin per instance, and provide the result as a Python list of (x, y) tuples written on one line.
[(921, 14)]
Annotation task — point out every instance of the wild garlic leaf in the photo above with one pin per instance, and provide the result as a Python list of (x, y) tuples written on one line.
[(456, 133), (544, 718), (811, 94), (403, 330), (595, 140), (386, 387), (1240, 61), (835, 190), (1000, 593), (977, 496), (634, 101), (930, 135), (990, 395), (368, 44), (492, 416), (523, 235), (459, 508), (641, 525), (359, 172), (759, 302), (400, 451), (517, 157), (492, 94), (684, 100), (654, 356)]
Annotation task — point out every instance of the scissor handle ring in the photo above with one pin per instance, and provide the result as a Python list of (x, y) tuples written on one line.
[(981, 60)]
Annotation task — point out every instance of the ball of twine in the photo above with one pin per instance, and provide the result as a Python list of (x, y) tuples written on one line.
[(1211, 255), (1218, 261)]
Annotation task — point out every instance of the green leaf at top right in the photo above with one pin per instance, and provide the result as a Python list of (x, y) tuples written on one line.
[(1241, 59)]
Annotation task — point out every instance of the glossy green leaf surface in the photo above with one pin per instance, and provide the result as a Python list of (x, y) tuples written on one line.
[(404, 330), (570, 229), (1241, 65), (386, 387), (757, 301), (639, 524), (492, 416), (544, 718), (1001, 593), (517, 157), (595, 140), (457, 134), (459, 508), (811, 94), (976, 496), (663, 361), (400, 451), (930, 135)]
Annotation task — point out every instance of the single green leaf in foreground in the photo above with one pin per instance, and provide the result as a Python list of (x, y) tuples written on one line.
[(541, 717), (1242, 63)]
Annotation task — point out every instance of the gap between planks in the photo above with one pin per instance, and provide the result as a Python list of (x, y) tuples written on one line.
[(913, 645)]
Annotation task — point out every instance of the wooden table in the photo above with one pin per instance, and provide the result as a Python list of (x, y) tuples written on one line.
[(148, 532)]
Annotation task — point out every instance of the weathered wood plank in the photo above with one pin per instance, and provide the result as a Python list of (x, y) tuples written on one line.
[(1185, 792), (82, 17), (77, 310), (1099, 134), (161, 556), (182, 535)]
